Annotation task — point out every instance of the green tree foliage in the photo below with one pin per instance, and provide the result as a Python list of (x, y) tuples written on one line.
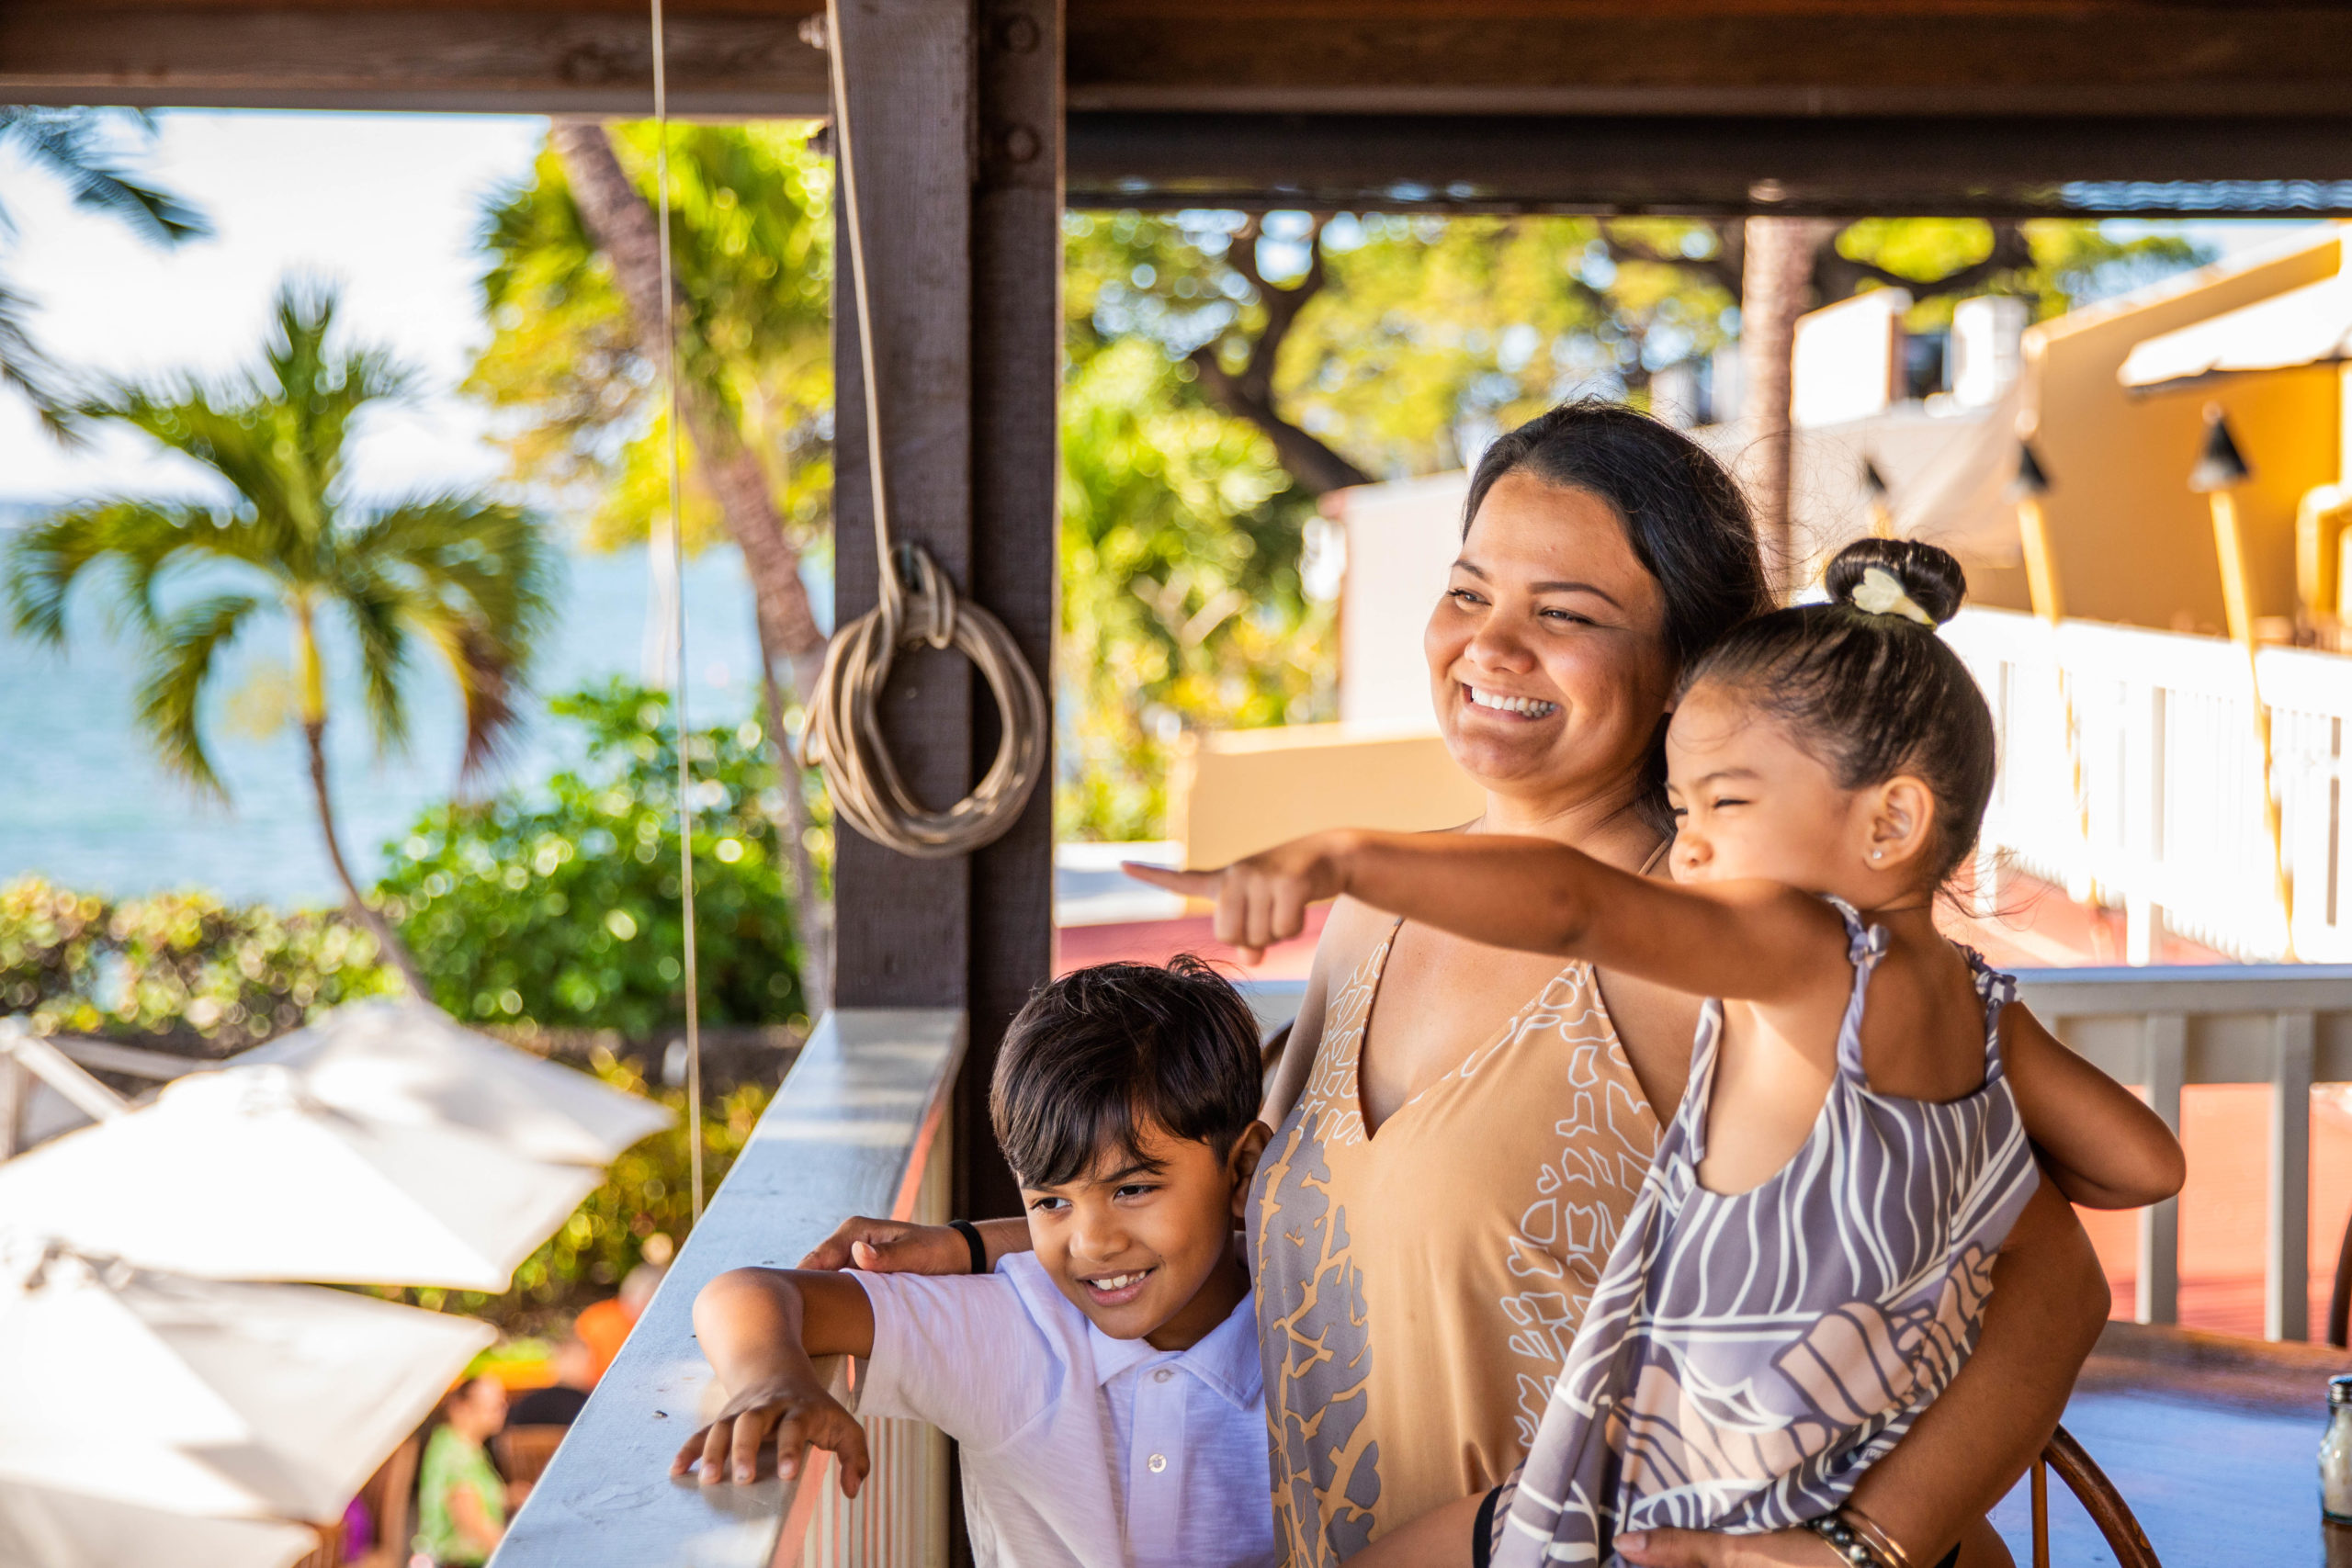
[(561, 905), (1182, 604), (76, 147), (750, 236), (1401, 343), (457, 576), (180, 971)]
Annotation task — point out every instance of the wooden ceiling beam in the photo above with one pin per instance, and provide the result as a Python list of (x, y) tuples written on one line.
[(2000, 167), (1677, 57), (1794, 59), (518, 60)]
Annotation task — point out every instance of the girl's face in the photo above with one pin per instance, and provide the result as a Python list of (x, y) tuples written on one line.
[(1751, 803), (1548, 663)]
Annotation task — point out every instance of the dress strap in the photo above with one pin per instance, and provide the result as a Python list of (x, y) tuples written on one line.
[(1997, 988), (1865, 945)]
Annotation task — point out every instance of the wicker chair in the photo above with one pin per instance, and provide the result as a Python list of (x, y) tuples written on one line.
[(523, 1452)]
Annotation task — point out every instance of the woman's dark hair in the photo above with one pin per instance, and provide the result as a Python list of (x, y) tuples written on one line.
[(1686, 518), (1874, 691), (1101, 1052)]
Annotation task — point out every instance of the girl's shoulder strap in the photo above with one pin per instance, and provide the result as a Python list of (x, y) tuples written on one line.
[(1996, 989), (1865, 945)]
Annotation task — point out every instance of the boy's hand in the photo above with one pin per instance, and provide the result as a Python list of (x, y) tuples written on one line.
[(1263, 899), (797, 1414), (892, 1247)]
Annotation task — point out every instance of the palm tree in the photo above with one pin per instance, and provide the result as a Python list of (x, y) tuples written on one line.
[(66, 142), (465, 577)]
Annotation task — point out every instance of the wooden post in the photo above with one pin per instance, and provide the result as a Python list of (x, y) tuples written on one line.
[(955, 116), (2287, 1291), (1016, 571), (2157, 1289)]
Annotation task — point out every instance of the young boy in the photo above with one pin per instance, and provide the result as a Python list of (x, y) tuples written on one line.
[(1104, 1386)]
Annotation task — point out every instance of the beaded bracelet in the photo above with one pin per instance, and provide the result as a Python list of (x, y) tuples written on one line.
[(1847, 1543)]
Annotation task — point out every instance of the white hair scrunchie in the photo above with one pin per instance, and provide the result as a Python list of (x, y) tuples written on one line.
[(1881, 593)]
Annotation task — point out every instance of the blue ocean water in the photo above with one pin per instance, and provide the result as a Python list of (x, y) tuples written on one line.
[(84, 802)]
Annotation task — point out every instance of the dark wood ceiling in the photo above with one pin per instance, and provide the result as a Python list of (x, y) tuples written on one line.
[(1670, 104)]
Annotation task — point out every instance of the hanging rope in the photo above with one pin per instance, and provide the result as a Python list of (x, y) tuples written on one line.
[(678, 599), (919, 605)]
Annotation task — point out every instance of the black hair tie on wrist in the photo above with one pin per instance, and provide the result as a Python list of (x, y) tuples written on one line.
[(971, 1235)]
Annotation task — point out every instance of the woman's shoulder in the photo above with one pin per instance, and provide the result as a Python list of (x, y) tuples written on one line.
[(1350, 932)]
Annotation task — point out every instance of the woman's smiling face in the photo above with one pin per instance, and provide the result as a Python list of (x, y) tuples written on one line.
[(1548, 661)]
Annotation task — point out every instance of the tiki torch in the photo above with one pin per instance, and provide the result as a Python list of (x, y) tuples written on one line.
[(2221, 469)]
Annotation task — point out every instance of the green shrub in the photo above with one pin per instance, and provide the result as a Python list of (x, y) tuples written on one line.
[(561, 905), (181, 971)]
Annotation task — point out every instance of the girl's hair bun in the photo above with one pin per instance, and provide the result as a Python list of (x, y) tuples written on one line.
[(1930, 576)]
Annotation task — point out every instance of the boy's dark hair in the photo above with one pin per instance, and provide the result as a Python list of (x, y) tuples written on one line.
[(1874, 694), (1101, 1051)]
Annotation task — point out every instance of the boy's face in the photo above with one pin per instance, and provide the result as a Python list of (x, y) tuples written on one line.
[(1144, 1247)]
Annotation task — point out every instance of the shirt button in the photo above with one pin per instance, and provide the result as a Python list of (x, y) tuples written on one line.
[(1158, 1463), (1163, 1375)]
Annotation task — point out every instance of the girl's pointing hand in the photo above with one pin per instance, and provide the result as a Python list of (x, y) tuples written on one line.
[(1263, 899)]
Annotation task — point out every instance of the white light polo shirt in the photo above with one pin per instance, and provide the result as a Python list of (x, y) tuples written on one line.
[(1079, 1448)]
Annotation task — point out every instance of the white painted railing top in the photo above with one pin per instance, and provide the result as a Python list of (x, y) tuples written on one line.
[(849, 1132), (2131, 771)]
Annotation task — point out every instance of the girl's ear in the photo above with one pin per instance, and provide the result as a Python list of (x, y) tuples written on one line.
[(1902, 823), (1243, 1163)]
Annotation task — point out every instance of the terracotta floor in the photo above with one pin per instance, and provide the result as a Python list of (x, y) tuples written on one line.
[(2224, 1128)]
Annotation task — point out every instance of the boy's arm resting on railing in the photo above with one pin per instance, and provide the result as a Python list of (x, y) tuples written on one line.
[(2099, 1143), (761, 1330), (903, 1246)]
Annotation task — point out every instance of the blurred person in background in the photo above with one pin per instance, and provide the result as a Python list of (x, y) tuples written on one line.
[(461, 1498), (606, 1324), (560, 1403)]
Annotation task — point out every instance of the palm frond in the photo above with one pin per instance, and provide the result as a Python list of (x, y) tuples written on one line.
[(182, 653), (31, 372), (479, 581), (382, 610), (487, 560), (67, 144), (45, 558)]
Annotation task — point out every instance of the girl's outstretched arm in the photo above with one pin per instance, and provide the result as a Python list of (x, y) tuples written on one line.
[(1757, 940), (2100, 1142)]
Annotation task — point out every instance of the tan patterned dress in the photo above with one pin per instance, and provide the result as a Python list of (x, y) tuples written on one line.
[(1417, 1289)]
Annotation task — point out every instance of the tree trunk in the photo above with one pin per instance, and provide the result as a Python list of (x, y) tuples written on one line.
[(314, 733), (625, 230), (1776, 288)]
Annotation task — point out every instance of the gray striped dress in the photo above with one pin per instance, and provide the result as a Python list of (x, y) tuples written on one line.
[(1746, 1356)]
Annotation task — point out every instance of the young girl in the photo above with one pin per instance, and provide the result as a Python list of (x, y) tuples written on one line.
[(1809, 1260)]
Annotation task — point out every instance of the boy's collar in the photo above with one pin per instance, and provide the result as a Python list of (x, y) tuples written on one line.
[(1226, 1356)]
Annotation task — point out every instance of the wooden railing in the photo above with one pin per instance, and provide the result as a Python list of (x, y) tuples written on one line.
[(858, 1127), (2132, 773)]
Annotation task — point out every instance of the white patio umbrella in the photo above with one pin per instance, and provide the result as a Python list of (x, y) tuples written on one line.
[(408, 1061), (241, 1175), (205, 1398), (44, 1527)]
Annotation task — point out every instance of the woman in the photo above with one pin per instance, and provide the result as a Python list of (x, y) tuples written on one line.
[(1461, 1129), (461, 1501)]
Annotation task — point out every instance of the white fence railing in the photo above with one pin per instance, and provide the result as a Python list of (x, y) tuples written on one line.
[(2131, 773), (858, 1127)]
